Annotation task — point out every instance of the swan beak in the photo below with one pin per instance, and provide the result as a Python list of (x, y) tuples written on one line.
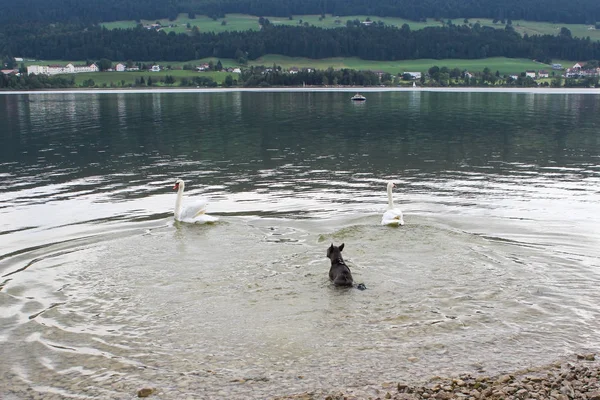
[(176, 186)]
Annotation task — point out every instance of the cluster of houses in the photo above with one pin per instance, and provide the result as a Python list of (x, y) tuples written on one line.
[(533, 74), (206, 67), (76, 69), (576, 71), (579, 71), (158, 27)]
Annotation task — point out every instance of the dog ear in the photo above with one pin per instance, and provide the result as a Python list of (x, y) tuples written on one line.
[(329, 250), (341, 247)]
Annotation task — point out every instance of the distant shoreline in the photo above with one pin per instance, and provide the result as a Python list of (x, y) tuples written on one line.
[(533, 90)]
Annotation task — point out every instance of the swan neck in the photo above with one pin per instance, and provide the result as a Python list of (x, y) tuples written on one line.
[(390, 198), (178, 201)]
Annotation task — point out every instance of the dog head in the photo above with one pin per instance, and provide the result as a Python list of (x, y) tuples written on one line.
[(334, 253)]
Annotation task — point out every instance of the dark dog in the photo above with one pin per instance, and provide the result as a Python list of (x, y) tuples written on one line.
[(339, 273)]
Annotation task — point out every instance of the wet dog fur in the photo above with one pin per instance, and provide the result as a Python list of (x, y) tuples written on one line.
[(339, 273)]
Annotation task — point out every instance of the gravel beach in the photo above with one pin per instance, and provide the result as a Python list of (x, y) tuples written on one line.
[(574, 378)]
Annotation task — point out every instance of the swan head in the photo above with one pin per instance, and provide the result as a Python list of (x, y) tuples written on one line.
[(390, 186), (178, 184)]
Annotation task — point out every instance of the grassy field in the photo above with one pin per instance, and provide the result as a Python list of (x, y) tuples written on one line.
[(241, 22), (506, 66), (233, 22)]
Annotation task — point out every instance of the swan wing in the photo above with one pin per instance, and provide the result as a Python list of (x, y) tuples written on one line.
[(392, 217), (200, 219), (205, 219), (194, 209)]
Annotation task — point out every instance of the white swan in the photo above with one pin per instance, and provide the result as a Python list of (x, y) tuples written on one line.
[(393, 215), (192, 213)]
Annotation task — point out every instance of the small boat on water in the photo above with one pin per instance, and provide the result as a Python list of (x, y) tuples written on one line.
[(358, 97)]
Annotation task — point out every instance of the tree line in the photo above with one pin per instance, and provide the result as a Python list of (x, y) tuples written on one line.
[(377, 42), (560, 11)]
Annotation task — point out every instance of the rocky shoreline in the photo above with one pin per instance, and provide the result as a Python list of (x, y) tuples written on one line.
[(575, 378)]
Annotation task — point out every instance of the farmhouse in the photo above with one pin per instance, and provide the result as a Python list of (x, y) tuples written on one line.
[(542, 74), (155, 68), (530, 74), (120, 67), (578, 65)]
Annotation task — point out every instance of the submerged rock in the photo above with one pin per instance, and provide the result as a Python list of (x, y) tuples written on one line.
[(145, 392)]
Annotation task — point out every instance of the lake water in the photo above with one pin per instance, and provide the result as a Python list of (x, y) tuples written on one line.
[(102, 293)]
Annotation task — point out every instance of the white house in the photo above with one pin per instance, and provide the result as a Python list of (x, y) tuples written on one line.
[(120, 67), (578, 65), (530, 74), (543, 74), (155, 68), (76, 69), (37, 70), (18, 59), (237, 71)]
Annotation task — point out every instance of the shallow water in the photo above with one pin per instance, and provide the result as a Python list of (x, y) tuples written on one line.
[(102, 293)]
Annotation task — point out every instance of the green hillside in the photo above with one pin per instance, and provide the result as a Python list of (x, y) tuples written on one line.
[(242, 22)]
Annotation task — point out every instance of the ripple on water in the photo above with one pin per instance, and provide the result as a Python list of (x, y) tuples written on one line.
[(244, 308)]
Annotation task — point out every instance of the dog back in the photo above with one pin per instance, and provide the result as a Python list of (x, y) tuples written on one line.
[(339, 273)]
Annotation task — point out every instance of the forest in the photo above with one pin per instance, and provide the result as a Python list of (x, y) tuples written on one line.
[(375, 42), (93, 11)]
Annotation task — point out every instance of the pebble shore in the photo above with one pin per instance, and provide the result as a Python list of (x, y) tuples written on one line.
[(575, 378)]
